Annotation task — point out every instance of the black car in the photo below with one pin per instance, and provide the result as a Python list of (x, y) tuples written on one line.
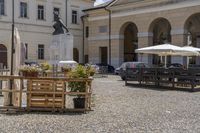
[(107, 68), (31, 63), (125, 65), (175, 65)]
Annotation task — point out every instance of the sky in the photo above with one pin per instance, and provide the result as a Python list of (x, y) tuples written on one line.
[(100, 2)]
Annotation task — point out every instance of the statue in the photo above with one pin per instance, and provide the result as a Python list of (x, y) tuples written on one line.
[(58, 26)]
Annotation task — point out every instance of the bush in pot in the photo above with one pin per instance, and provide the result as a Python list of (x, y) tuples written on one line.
[(90, 70), (45, 67), (75, 86)]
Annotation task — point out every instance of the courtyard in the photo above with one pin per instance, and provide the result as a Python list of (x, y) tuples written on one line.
[(118, 108)]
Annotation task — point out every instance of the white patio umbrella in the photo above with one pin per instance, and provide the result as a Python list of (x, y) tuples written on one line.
[(17, 60), (18, 52), (192, 49), (166, 50)]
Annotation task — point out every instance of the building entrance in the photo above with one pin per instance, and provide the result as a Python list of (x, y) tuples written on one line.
[(104, 55)]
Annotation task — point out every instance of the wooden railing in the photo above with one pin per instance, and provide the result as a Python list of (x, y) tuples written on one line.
[(172, 76), (43, 93)]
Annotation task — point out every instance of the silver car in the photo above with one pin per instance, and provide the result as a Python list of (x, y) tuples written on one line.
[(125, 65)]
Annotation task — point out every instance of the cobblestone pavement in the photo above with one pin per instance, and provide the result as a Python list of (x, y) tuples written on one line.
[(118, 109)]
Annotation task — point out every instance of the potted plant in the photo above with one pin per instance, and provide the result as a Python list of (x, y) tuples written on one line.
[(78, 72), (45, 67), (29, 71), (90, 70), (66, 69)]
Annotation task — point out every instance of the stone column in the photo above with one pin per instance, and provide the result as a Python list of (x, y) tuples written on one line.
[(117, 50), (198, 45), (145, 39)]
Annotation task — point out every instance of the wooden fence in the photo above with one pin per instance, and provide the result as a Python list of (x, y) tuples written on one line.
[(43, 93), (164, 77)]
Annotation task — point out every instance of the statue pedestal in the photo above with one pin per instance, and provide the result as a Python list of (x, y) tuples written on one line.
[(61, 48)]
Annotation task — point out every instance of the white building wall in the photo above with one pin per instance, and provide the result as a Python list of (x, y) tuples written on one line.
[(77, 29), (33, 31)]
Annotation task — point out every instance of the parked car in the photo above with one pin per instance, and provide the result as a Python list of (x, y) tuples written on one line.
[(194, 66), (117, 70), (125, 65), (31, 63), (109, 68), (175, 65)]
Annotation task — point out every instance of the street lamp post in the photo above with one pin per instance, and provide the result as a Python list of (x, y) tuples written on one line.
[(12, 52)]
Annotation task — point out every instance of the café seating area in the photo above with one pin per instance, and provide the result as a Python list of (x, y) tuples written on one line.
[(168, 77)]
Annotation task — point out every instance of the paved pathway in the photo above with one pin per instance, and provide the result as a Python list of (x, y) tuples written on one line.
[(118, 109)]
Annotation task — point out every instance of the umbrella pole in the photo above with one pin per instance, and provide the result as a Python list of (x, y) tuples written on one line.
[(188, 61), (165, 61), (141, 57)]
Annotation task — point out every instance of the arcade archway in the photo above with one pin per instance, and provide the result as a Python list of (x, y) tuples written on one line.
[(161, 31), (130, 31), (192, 30)]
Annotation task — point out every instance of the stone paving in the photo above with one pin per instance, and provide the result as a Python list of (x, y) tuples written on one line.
[(118, 109)]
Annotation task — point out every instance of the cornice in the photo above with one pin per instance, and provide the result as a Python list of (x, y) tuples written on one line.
[(135, 11)]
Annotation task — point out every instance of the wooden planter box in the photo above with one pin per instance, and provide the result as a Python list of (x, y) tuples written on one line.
[(29, 74), (46, 94)]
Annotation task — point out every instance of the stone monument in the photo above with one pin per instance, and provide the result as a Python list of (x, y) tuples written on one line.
[(61, 48)]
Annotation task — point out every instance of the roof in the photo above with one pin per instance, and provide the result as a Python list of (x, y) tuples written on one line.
[(104, 5)]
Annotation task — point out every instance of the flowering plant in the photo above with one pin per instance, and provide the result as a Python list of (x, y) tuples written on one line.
[(29, 71)]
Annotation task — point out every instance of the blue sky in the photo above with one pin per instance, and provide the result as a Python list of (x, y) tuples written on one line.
[(100, 1)]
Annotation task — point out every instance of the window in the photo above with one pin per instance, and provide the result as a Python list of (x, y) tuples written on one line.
[(87, 32), (74, 17), (56, 10), (23, 10), (102, 29), (26, 50), (2, 7), (40, 12), (40, 51)]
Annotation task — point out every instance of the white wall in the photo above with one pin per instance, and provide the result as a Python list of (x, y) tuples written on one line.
[(76, 29), (34, 31)]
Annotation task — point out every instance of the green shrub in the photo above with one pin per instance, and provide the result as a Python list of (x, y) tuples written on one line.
[(77, 73)]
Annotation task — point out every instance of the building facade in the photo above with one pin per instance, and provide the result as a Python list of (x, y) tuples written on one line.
[(34, 20), (121, 26)]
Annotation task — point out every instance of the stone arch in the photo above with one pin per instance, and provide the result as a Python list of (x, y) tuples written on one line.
[(192, 34), (160, 30), (129, 31), (3, 56), (76, 54)]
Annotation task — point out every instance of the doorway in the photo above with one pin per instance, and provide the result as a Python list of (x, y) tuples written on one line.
[(103, 55)]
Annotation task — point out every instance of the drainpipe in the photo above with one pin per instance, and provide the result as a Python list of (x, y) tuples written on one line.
[(109, 46), (82, 19)]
